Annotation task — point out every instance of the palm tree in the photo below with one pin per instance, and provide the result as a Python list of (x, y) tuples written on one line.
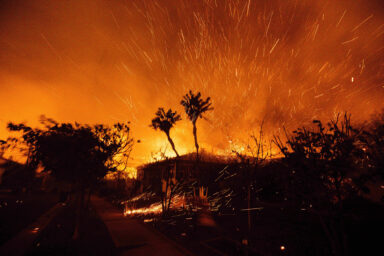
[(164, 121), (195, 107)]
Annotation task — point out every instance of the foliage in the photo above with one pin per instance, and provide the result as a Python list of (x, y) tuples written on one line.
[(74, 153), (323, 161), (3, 147), (118, 141), (324, 167), (373, 141), (164, 121), (195, 107)]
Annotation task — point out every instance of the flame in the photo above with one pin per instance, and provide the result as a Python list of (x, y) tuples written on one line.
[(282, 61), (153, 209), (177, 202)]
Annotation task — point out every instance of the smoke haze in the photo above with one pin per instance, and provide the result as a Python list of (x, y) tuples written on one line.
[(284, 62)]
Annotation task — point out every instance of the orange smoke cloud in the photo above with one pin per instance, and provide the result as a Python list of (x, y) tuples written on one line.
[(285, 62)]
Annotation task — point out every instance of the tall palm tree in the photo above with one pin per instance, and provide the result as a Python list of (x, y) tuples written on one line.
[(195, 107), (164, 121)]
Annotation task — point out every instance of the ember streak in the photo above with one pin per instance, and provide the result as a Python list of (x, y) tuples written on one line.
[(285, 62)]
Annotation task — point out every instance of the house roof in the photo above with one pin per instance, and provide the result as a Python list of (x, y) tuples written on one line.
[(204, 157), (4, 162)]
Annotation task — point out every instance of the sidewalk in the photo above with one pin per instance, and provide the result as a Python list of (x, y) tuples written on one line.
[(130, 236)]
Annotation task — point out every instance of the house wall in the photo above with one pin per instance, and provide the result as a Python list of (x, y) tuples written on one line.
[(2, 168)]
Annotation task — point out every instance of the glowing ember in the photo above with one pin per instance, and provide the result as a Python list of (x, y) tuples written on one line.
[(287, 62), (155, 208)]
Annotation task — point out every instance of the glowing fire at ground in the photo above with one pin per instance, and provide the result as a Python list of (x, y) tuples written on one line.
[(155, 208)]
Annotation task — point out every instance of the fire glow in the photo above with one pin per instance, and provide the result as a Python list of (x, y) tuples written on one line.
[(284, 62), (152, 209), (178, 202)]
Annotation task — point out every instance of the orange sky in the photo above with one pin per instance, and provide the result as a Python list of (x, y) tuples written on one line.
[(96, 61)]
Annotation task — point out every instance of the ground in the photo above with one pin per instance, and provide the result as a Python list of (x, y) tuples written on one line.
[(20, 209), (105, 231)]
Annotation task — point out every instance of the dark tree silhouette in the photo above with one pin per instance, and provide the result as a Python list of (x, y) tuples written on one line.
[(323, 165), (118, 139), (76, 154), (3, 145), (164, 121), (373, 140), (195, 107), (251, 161), (169, 184)]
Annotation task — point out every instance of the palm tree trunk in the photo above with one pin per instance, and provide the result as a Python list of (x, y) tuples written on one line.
[(172, 144), (196, 144)]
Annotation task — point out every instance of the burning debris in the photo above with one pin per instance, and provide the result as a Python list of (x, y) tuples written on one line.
[(178, 202)]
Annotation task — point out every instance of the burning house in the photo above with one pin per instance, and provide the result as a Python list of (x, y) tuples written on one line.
[(185, 168)]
